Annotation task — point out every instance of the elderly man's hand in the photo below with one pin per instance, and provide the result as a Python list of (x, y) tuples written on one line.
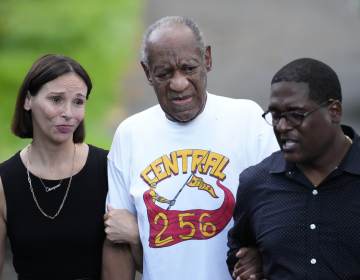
[(249, 265), (121, 226)]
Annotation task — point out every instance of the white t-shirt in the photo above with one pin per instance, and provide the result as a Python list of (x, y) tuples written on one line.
[(180, 179)]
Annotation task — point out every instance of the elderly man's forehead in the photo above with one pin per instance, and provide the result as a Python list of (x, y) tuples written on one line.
[(170, 32)]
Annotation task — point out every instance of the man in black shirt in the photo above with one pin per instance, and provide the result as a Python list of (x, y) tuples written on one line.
[(301, 206)]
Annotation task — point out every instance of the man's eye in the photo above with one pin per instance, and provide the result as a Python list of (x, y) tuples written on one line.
[(275, 115), (163, 75), (295, 115), (188, 69)]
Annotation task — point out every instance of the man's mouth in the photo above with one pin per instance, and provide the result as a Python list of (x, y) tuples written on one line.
[(288, 145), (181, 100)]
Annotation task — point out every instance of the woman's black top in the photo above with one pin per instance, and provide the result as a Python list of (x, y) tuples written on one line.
[(70, 246)]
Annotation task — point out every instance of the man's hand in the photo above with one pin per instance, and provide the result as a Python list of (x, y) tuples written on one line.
[(121, 226), (249, 265)]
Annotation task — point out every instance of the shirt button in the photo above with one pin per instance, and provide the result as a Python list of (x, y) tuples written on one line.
[(312, 226), (315, 192), (313, 261)]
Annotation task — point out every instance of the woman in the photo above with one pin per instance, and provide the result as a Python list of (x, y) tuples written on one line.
[(52, 192)]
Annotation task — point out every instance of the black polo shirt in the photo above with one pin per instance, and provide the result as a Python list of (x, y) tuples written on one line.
[(302, 231)]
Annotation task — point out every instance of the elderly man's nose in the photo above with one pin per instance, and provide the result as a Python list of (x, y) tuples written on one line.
[(179, 82)]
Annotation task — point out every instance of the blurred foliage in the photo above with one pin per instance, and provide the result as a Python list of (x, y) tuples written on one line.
[(98, 34)]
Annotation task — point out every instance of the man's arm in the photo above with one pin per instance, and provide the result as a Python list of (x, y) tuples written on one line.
[(117, 263), (243, 259), (249, 265)]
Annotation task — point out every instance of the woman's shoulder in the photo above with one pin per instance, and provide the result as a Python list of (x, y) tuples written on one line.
[(10, 164), (98, 150), (98, 155)]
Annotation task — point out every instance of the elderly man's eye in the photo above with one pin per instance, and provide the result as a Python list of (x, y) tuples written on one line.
[(163, 75), (188, 69)]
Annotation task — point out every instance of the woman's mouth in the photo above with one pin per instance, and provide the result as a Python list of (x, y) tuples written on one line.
[(64, 128)]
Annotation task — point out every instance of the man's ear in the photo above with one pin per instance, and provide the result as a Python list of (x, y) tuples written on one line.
[(27, 102), (208, 58), (147, 72), (335, 110)]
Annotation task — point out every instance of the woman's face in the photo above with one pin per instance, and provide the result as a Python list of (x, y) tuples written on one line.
[(58, 108)]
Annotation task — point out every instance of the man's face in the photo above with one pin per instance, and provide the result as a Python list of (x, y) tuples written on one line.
[(177, 72), (311, 140)]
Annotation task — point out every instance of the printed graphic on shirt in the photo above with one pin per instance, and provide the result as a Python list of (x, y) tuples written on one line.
[(196, 167)]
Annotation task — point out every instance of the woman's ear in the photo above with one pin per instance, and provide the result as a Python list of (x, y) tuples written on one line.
[(27, 103)]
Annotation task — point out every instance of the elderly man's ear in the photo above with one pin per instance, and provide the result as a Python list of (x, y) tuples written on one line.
[(147, 72), (208, 58)]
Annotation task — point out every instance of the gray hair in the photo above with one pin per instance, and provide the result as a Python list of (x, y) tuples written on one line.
[(168, 21)]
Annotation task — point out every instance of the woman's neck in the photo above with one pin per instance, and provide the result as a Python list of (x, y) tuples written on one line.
[(50, 161)]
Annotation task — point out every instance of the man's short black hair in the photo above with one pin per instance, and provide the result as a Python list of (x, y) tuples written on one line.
[(323, 82)]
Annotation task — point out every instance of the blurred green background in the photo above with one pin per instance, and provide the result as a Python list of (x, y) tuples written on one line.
[(98, 34)]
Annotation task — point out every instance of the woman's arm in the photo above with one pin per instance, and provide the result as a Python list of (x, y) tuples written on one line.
[(2, 227), (117, 263)]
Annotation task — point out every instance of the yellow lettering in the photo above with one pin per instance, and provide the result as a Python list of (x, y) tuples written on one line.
[(184, 154), (156, 167), (218, 172), (146, 178), (213, 161), (171, 165), (197, 160)]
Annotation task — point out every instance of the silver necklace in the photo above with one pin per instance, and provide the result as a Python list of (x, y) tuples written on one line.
[(52, 217), (49, 189)]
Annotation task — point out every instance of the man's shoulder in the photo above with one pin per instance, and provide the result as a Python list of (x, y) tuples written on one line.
[(141, 118), (264, 167), (232, 102)]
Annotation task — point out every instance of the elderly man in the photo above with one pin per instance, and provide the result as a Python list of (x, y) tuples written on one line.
[(301, 205), (175, 166)]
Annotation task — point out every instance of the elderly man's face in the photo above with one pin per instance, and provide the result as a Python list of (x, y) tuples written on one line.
[(310, 141), (177, 72)]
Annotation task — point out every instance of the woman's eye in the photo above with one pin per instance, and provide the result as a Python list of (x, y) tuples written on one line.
[(79, 101), (55, 99)]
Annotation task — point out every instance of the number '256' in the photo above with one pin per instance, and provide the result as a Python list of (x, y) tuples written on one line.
[(185, 223)]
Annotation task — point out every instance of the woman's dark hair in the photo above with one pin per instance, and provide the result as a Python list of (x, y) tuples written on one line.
[(45, 69)]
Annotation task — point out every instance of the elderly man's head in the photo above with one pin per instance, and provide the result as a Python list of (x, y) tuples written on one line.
[(176, 62)]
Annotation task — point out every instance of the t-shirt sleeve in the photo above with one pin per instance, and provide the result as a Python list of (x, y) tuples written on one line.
[(261, 135), (267, 140), (119, 196)]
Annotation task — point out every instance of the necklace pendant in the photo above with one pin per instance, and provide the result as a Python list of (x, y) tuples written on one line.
[(47, 189)]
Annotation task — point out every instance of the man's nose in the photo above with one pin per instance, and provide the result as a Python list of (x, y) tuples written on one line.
[(179, 82), (283, 124)]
